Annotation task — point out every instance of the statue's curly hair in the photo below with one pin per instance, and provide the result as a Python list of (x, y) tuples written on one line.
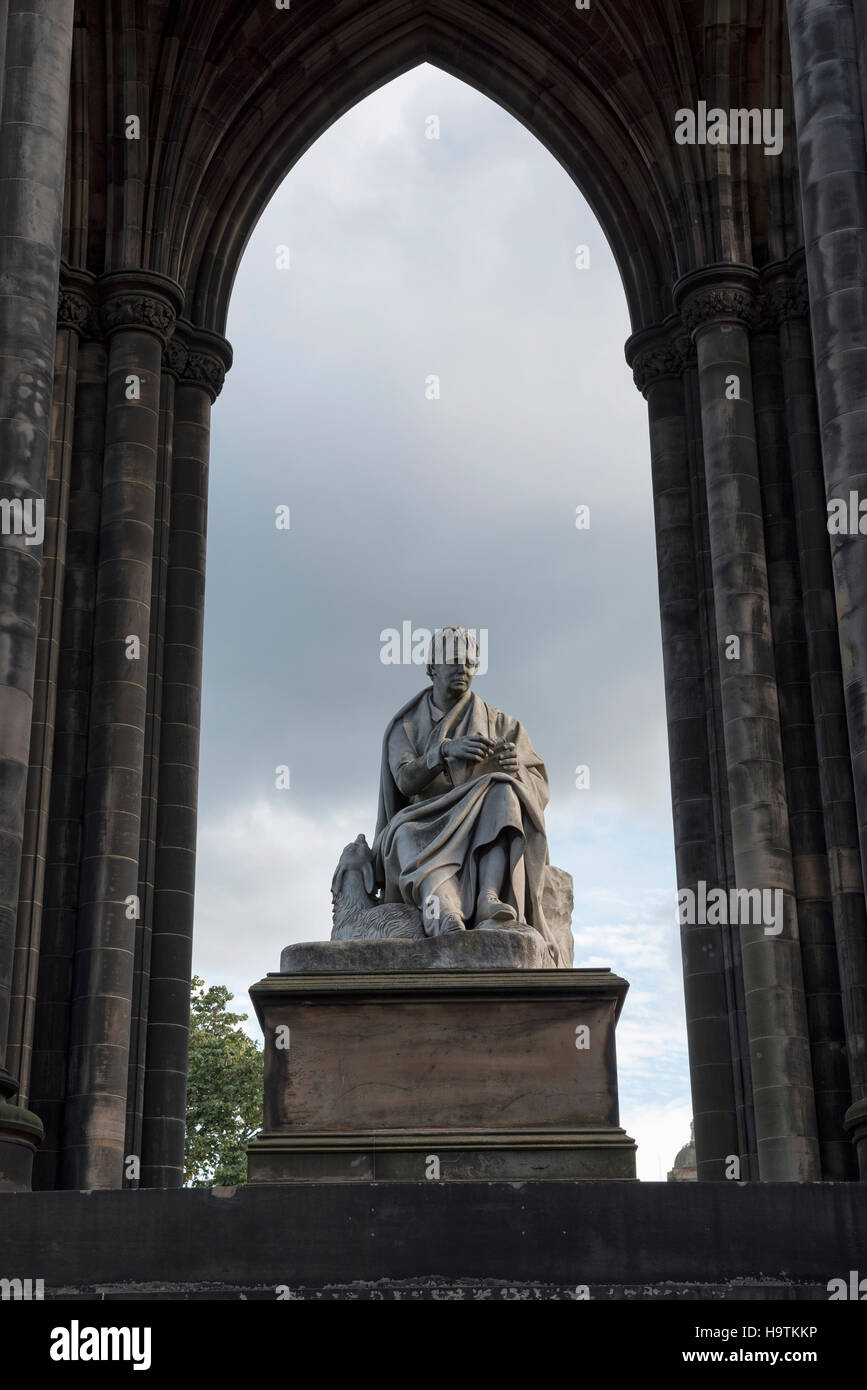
[(449, 644)]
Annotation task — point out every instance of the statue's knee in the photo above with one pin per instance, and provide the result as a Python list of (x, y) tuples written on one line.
[(504, 801)]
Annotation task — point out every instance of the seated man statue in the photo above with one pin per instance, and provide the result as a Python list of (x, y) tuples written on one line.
[(461, 826)]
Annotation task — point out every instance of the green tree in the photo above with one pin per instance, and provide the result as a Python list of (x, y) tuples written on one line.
[(224, 1090)]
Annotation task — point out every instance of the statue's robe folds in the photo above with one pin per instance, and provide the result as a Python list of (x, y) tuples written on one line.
[(422, 840)]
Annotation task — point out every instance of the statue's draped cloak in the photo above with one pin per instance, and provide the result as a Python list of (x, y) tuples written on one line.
[(423, 840)]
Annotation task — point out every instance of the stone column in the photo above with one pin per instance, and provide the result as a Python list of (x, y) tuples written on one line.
[(150, 781), (725, 874), (37, 49), (200, 361), (707, 624), (829, 83), (139, 310), (69, 770), (74, 308), (791, 305), (800, 757), (658, 362), (717, 305)]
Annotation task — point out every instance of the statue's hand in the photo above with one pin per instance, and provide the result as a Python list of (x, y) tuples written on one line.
[(508, 759), (473, 747)]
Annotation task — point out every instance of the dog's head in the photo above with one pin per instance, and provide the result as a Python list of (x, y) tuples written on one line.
[(358, 856)]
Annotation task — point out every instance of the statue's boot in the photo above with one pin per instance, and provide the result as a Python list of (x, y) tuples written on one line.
[(449, 922), (491, 909)]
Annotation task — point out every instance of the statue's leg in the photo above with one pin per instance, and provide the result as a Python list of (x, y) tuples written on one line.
[(494, 886), (441, 908), (518, 894)]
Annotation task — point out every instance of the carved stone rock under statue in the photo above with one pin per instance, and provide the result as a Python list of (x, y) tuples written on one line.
[(516, 948), (442, 1032), (513, 947)]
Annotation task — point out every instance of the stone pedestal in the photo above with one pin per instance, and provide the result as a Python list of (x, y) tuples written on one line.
[(856, 1124), (447, 1073), (20, 1135)]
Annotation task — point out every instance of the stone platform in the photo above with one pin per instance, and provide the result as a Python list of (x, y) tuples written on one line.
[(665, 1242), (462, 1074), (517, 947)]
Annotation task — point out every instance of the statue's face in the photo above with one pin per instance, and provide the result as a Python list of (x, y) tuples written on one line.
[(452, 679)]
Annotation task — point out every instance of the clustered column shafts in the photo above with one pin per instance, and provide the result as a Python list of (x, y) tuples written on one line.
[(719, 777), (658, 368), (836, 786), (806, 826), (829, 74), (150, 778), (718, 314), (199, 368), (127, 816), (138, 318), (725, 873), (31, 889), (759, 470), (36, 57), (66, 809)]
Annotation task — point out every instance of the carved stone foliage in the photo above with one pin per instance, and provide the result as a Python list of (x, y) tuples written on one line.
[(189, 355), (205, 369), (175, 358), (138, 311), (193, 365), (74, 311), (789, 299), (667, 357), (718, 302)]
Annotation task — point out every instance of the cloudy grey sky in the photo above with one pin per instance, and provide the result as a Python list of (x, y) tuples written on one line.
[(408, 258)]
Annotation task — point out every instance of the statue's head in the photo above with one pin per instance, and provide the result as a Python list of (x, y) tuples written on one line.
[(453, 660)]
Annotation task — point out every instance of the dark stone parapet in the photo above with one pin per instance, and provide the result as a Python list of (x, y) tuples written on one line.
[(637, 1240)]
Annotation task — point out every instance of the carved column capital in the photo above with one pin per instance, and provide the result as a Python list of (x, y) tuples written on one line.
[(658, 353), (73, 310), (765, 316), (76, 302), (138, 311), (719, 302), (718, 294), (175, 357), (139, 299), (205, 369), (198, 357), (789, 299)]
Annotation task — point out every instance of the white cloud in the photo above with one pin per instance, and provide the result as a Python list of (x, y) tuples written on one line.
[(263, 880), (661, 1131)]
